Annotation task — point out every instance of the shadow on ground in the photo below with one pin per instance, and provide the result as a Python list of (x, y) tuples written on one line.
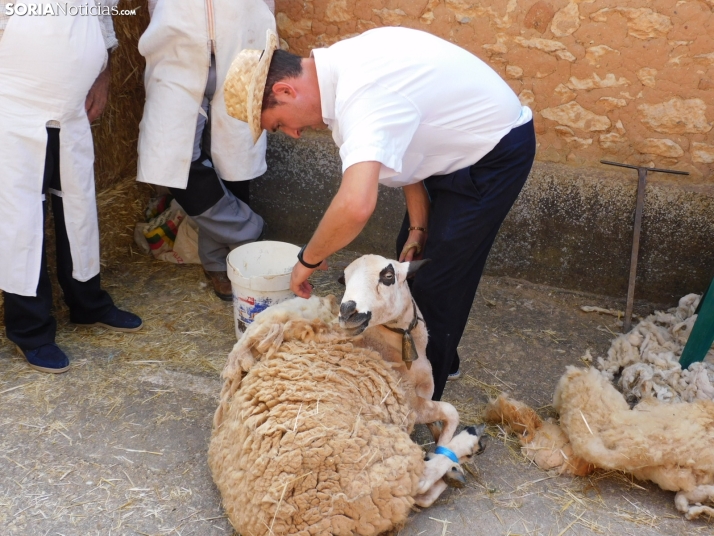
[(118, 444)]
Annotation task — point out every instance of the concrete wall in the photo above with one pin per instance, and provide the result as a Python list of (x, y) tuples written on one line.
[(571, 227), (628, 81)]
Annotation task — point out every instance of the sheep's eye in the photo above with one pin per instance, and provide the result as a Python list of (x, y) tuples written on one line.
[(386, 276)]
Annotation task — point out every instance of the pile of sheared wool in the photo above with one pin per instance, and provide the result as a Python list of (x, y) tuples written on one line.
[(542, 442), (665, 438), (647, 358)]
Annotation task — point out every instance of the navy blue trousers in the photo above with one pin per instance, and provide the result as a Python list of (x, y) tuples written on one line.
[(467, 210), (203, 189), (28, 319)]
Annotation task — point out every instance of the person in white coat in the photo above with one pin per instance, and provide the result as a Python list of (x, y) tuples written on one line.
[(187, 141), (55, 80)]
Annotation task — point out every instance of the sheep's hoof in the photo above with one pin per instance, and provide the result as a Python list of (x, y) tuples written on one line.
[(455, 477), (481, 445)]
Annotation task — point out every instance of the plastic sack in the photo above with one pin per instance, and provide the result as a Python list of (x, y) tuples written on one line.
[(170, 235)]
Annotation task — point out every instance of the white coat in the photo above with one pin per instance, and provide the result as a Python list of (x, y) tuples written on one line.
[(47, 66), (177, 46)]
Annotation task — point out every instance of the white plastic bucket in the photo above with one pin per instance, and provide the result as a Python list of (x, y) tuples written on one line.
[(260, 277)]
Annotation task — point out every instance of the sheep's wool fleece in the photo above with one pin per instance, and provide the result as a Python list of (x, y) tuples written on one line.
[(314, 439), (647, 358), (669, 444), (544, 443), (666, 438)]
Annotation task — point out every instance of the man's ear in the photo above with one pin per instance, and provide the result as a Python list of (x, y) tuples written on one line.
[(414, 266), (283, 90)]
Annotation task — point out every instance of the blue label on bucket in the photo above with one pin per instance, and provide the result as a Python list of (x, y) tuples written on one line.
[(249, 307)]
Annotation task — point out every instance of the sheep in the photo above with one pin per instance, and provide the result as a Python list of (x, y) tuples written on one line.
[(311, 435), (377, 301), (669, 444), (666, 437)]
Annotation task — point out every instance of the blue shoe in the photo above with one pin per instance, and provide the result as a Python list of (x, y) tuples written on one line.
[(454, 376), (116, 320), (47, 358)]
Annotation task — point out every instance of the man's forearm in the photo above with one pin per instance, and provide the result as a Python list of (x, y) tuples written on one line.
[(98, 95), (417, 200), (348, 212)]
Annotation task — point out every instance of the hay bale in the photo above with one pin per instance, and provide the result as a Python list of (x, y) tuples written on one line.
[(117, 130)]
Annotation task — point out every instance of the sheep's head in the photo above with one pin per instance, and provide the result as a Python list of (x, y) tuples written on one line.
[(376, 292)]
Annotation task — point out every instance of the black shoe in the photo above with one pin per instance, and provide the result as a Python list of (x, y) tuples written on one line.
[(47, 358), (116, 320)]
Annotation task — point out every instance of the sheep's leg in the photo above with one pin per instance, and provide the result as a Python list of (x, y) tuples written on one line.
[(464, 445), (435, 468), (430, 411), (695, 511), (698, 495), (427, 499), (435, 429)]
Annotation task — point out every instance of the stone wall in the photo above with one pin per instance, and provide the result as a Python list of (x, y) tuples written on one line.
[(630, 81), (570, 228)]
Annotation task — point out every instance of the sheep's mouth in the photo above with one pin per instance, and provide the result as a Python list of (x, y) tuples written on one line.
[(356, 323)]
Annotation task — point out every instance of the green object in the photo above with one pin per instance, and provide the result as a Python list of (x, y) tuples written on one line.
[(702, 335)]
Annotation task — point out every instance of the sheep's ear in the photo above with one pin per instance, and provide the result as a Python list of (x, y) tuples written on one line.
[(341, 280), (414, 267)]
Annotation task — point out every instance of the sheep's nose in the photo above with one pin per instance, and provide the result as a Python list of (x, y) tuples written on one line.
[(347, 309)]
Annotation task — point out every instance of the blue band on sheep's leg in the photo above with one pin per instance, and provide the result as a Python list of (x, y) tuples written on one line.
[(448, 453)]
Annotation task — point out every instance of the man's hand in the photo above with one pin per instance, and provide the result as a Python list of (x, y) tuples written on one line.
[(414, 246), (98, 95), (417, 200), (344, 219), (298, 279)]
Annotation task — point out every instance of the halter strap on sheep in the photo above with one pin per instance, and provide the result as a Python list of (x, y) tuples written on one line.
[(409, 351)]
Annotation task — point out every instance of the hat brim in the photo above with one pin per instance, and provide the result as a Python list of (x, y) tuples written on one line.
[(256, 88), (245, 83)]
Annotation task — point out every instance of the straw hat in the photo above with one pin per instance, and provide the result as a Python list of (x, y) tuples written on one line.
[(245, 83)]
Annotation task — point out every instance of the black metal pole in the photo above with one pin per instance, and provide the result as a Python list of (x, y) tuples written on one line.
[(641, 186)]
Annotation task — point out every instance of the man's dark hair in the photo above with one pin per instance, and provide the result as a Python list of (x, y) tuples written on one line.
[(283, 65)]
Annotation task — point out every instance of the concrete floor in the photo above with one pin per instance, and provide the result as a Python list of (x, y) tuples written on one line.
[(118, 444)]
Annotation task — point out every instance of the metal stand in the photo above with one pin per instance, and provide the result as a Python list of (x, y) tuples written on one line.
[(641, 184)]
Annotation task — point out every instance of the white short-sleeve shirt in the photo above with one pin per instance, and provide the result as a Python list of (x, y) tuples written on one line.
[(416, 103)]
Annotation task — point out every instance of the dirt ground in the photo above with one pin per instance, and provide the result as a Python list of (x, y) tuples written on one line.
[(118, 444)]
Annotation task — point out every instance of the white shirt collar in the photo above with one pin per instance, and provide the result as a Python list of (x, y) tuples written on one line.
[(326, 83)]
